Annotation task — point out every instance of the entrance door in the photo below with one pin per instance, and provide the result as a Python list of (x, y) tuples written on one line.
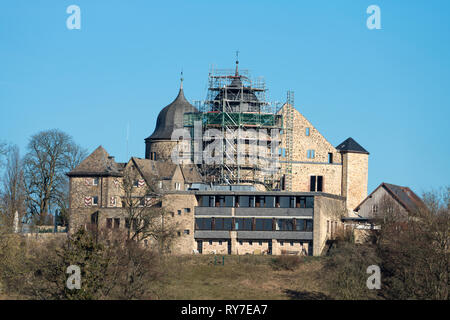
[(229, 246), (200, 246), (270, 247)]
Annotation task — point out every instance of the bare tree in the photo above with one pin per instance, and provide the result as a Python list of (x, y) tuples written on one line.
[(50, 155), (414, 249), (145, 217), (13, 192)]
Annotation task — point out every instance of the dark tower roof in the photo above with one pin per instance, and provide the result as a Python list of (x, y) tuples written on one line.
[(172, 117), (351, 145)]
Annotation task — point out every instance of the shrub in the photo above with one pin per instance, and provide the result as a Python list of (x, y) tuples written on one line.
[(286, 262)]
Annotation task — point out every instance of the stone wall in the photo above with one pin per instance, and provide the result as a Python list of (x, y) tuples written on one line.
[(162, 148), (327, 212), (355, 178), (302, 166)]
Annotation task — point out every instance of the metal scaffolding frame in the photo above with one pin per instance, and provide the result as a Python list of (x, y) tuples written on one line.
[(236, 103)]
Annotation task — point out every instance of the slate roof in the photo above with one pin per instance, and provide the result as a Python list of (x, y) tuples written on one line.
[(171, 118), (98, 163), (403, 195), (152, 169), (351, 145), (190, 173)]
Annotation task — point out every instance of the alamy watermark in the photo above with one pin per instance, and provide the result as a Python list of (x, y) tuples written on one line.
[(74, 20), (74, 280), (374, 280), (374, 20)]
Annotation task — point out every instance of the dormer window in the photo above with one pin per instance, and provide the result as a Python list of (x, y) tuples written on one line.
[(94, 200), (95, 182)]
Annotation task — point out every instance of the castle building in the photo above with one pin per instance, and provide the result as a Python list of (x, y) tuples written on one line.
[(234, 204)]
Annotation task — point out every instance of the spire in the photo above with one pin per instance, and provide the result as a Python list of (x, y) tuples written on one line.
[(181, 80), (237, 63)]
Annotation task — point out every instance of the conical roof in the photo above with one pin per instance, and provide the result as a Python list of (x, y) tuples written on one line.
[(350, 145), (172, 117)]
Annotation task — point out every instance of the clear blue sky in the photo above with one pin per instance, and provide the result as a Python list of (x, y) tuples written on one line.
[(388, 88)]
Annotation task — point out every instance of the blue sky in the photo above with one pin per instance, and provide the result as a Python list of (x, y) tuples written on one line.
[(388, 88)]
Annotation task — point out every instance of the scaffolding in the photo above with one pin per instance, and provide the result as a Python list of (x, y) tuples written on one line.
[(288, 113), (236, 106)]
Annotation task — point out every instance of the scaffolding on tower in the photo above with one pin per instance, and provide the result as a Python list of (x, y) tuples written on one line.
[(236, 106)]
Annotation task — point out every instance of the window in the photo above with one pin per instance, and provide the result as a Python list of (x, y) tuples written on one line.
[(300, 225), (95, 182), (203, 223), (177, 186), (270, 201), (142, 202), (250, 242), (374, 208), (187, 210), (244, 201), (285, 224), (311, 154), (94, 200), (179, 212), (186, 231), (109, 223), (160, 184), (260, 243), (210, 242), (179, 233), (292, 243), (330, 157), (309, 225), (263, 224), (220, 242), (328, 226), (240, 242), (173, 214), (135, 224), (222, 223), (243, 224), (307, 132), (281, 243), (146, 243), (127, 223), (285, 202), (116, 223), (136, 183), (316, 183)]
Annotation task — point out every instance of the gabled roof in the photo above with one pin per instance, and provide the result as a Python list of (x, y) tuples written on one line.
[(151, 169), (98, 163), (351, 145), (190, 173), (403, 195)]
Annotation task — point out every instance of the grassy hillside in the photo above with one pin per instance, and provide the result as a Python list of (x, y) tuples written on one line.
[(240, 278)]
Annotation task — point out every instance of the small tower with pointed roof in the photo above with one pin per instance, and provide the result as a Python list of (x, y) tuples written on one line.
[(355, 166)]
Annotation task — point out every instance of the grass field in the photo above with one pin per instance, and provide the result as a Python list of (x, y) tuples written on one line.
[(240, 278)]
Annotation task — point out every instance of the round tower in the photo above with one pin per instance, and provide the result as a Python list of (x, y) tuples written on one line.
[(159, 146)]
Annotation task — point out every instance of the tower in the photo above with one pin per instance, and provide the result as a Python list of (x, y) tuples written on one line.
[(159, 145), (355, 162)]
